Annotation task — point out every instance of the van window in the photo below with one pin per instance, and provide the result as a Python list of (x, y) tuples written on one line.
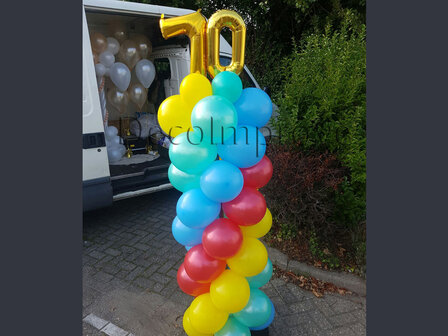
[(245, 78), (156, 92)]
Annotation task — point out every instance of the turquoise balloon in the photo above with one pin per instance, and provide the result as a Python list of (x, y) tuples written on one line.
[(183, 181), (245, 148), (195, 210), (189, 156), (268, 323), (257, 311), (261, 278), (185, 235), (227, 84), (216, 117), (233, 328)]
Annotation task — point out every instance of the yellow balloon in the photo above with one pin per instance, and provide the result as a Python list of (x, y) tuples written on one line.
[(261, 228), (174, 116), (251, 259), (194, 87), (204, 316), (189, 330), (230, 292)]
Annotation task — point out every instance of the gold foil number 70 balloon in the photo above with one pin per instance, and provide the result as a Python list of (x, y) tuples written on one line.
[(204, 39)]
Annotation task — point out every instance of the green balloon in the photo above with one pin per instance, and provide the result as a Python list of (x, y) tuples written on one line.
[(183, 181), (233, 328), (227, 84), (191, 156)]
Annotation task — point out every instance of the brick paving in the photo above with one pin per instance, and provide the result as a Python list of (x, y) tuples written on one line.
[(130, 262)]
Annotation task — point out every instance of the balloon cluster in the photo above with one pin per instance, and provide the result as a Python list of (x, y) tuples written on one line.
[(130, 54), (115, 148), (219, 163)]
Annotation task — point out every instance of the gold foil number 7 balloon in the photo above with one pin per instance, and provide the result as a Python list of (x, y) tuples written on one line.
[(204, 39)]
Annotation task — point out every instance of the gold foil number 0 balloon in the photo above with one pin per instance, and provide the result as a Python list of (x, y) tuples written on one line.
[(231, 20)]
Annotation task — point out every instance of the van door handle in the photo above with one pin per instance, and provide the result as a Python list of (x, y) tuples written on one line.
[(93, 140)]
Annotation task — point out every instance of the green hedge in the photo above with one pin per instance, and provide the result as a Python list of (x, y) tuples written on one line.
[(322, 106)]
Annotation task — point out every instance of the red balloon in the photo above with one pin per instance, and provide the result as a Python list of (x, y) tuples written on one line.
[(188, 285), (222, 239), (201, 267), (248, 208), (259, 175)]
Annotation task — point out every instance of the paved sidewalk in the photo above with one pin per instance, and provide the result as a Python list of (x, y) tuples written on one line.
[(130, 262)]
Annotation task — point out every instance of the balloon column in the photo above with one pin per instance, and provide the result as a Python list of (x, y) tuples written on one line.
[(218, 162)]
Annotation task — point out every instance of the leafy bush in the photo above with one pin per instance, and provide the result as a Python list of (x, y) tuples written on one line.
[(322, 106)]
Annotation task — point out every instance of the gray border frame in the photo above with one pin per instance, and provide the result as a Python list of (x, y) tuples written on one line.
[(406, 164), (406, 189), (41, 168)]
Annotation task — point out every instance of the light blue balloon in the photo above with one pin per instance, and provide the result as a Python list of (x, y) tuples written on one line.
[(185, 235), (261, 278), (195, 210), (227, 84), (245, 148), (188, 248), (254, 107), (216, 117), (221, 181), (190, 156), (183, 181), (257, 311), (233, 328), (268, 323)]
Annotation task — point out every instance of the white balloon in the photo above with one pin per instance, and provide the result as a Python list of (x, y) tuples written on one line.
[(107, 73), (114, 153), (110, 132), (122, 149), (115, 140), (113, 45), (100, 70), (107, 58), (120, 75), (145, 72)]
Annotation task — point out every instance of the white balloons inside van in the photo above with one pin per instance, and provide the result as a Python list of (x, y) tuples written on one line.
[(120, 75), (113, 45), (100, 70), (145, 72), (107, 58)]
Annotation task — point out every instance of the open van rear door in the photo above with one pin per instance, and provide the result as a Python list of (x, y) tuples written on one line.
[(97, 190)]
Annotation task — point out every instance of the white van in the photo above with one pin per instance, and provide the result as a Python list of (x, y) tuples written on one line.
[(104, 183)]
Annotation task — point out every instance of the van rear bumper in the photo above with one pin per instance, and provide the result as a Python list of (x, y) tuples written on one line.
[(96, 193)]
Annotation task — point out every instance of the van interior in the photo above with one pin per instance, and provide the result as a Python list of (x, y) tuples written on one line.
[(146, 161)]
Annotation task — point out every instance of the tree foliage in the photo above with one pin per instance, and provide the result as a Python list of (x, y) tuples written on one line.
[(274, 25)]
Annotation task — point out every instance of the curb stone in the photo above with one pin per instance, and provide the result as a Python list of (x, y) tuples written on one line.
[(340, 279)]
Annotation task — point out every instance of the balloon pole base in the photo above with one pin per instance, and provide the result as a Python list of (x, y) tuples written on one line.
[(263, 332)]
